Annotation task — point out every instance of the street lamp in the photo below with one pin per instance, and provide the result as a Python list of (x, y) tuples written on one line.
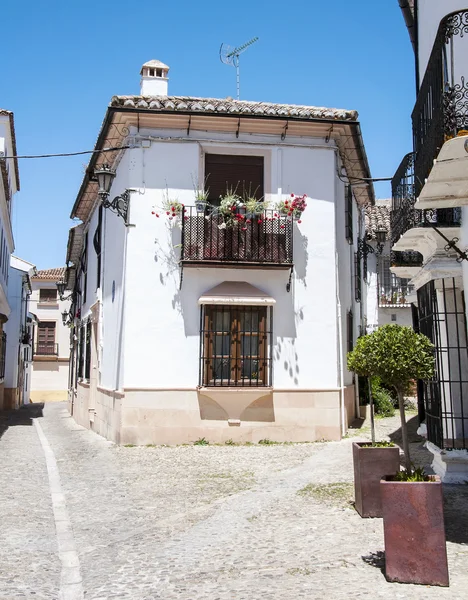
[(381, 238), (105, 176), (64, 317), (119, 205), (61, 285)]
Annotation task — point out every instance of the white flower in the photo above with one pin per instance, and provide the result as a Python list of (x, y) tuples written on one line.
[(222, 226)]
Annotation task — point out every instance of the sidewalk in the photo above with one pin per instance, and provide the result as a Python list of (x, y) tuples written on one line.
[(202, 522)]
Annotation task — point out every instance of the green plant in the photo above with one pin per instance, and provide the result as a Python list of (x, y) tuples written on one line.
[(397, 355), (382, 444), (254, 206), (201, 442), (383, 403), (417, 474), (230, 442), (267, 442)]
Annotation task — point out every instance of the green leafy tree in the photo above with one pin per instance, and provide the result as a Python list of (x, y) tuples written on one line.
[(397, 355)]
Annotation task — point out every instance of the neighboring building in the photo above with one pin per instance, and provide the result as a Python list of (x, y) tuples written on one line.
[(19, 330), (52, 338), (201, 325), (9, 185), (436, 173), (389, 297)]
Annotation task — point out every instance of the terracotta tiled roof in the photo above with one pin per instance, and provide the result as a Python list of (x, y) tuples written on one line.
[(56, 274), (9, 114), (232, 107), (376, 217)]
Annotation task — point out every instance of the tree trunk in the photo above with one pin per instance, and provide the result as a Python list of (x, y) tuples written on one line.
[(371, 404), (404, 431)]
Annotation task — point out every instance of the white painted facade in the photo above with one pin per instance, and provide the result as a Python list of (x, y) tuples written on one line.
[(429, 15), (143, 383), (19, 330), (50, 368), (441, 280)]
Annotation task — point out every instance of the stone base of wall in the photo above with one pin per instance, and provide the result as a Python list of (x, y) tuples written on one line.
[(48, 395), (183, 416), (350, 404), (10, 398)]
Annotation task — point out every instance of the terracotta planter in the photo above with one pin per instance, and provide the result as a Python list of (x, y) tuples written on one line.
[(370, 465), (414, 532)]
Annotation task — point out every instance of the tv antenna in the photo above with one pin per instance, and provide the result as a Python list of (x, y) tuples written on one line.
[(230, 56)]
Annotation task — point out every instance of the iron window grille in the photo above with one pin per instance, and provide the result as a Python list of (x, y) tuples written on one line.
[(235, 346), (357, 277), (97, 243), (442, 319), (81, 349), (48, 295), (392, 290), (3, 355), (87, 373), (349, 214), (350, 330)]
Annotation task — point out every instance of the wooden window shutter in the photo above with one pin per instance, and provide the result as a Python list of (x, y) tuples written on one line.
[(242, 174)]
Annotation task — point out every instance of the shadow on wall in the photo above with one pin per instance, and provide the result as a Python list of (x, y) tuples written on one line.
[(216, 406), (301, 255), (23, 416)]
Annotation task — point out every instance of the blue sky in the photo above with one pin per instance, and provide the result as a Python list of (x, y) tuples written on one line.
[(63, 61)]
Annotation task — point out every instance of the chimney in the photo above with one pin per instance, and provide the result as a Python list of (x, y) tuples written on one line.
[(154, 78)]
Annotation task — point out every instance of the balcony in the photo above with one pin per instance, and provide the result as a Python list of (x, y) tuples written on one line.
[(441, 109), (45, 349), (412, 229), (265, 240)]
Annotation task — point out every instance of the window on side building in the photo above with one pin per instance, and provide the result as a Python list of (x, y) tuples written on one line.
[(48, 295), (235, 346)]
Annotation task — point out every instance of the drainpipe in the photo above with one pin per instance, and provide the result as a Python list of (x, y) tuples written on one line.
[(340, 351), (408, 15)]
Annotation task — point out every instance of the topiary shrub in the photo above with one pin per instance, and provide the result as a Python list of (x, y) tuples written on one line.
[(383, 403), (397, 355)]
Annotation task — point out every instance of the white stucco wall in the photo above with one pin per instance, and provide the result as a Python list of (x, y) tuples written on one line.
[(12, 327), (430, 14), (162, 322), (49, 376)]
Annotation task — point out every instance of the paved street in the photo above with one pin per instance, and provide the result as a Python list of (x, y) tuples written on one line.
[(192, 522)]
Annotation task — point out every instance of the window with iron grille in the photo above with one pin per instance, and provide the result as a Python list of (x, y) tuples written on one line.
[(81, 350), (48, 295), (349, 214), (97, 243), (235, 346), (88, 351), (357, 277), (240, 174), (3, 355), (350, 330)]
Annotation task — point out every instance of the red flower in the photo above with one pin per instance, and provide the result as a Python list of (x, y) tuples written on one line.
[(299, 221), (282, 227), (167, 212), (157, 215), (244, 228), (292, 195), (259, 221), (152, 212), (248, 221)]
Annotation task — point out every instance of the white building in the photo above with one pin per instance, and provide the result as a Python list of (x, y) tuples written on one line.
[(9, 185), (52, 338), (19, 330), (388, 297), (201, 325), (435, 227)]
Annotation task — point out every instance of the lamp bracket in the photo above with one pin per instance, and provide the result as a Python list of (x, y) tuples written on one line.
[(119, 205)]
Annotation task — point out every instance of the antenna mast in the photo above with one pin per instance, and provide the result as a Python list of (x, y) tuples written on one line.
[(230, 56)]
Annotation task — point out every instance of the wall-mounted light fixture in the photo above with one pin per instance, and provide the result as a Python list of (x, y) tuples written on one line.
[(119, 205)]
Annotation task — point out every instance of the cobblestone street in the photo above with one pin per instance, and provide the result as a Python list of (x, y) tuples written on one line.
[(195, 522)]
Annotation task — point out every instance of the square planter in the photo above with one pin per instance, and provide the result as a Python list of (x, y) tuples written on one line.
[(370, 465), (414, 532)]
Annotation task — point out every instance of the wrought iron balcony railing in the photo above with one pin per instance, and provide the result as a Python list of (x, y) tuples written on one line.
[(46, 349), (441, 109), (264, 239), (404, 216), (406, 259)]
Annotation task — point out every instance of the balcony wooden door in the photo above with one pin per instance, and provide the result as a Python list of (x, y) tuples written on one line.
[(46, 338)]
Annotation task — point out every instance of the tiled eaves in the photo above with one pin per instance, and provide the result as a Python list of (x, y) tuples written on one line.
[(232, 107), (55, 274), (10, 115)]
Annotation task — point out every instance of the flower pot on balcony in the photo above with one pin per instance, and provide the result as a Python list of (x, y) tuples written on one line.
[(370, 465), (297, 215), (414, 532), (200, 206)]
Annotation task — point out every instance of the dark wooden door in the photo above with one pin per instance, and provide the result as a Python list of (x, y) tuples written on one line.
[(46, 337)]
